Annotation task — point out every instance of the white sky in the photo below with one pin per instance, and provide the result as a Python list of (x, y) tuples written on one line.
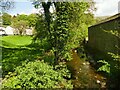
[(106, 7)]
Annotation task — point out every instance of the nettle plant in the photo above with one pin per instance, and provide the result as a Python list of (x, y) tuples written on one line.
[(116, 60), (105, 67), (35, 75), (114, 64)]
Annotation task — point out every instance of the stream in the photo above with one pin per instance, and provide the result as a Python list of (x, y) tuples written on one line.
[(84, 75)]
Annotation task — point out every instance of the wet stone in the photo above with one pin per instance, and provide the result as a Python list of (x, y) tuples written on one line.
[(98, 81), (103, 85)]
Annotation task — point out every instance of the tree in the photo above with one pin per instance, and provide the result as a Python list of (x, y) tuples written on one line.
[(6, 4), (32, 19), (47, 17), (20, 26), (6, 19), (40, 28), (22, 17), (24, 21), (68, 26)]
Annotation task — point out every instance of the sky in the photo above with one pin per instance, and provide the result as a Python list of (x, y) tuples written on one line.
[(104, 7), (23, 7)]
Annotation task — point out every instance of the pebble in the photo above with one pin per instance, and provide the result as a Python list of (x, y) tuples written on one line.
[(87, 63), (75, 51), (95, 76), (98, 81), (84, 63), (103, 84)]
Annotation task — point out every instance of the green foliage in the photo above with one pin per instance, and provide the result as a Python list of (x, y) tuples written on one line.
[(116, 57), (62, 68), (71, 27), (17, 49), (89, 19), (40, 29), (67, 26), (6, 19), (20, 26), (60, 34), (105, 67), (35, 75), (22, 17), (115, 63), (115, 69), (32, 19), (113, 32)]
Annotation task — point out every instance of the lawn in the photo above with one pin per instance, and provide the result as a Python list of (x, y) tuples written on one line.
[(24, 64), (16, 50), (15, 41)]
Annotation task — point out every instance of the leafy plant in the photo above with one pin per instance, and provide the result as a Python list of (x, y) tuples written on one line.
[(105, 67), (6, 19), (35, 75), (115, 64), (115, 69), (62, 68)]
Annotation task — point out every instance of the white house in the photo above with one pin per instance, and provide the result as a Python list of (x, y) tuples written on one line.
[(2, 31), (9, 30), (28, 31)]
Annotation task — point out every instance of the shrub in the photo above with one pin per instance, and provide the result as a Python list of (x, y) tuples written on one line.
[(62, 68), (35, 75)]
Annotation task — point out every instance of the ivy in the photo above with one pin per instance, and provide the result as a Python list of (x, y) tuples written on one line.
[(66, 27)]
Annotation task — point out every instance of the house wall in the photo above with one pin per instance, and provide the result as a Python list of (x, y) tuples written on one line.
[(104, 37), (9, 30)]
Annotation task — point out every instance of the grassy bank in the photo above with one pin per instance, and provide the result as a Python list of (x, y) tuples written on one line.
[(15, 41), (15, 50), (24, 64)]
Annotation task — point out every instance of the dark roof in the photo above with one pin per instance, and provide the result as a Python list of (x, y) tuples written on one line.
[(2, 30)]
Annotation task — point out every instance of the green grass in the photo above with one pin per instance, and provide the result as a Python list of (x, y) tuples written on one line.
[(20, 54), (18, 49), (15, 41)]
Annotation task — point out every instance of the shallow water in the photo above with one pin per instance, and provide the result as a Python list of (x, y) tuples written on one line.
[(85, 76)]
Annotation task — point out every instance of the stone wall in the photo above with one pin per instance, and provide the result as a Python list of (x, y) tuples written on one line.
[(104, 37)]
